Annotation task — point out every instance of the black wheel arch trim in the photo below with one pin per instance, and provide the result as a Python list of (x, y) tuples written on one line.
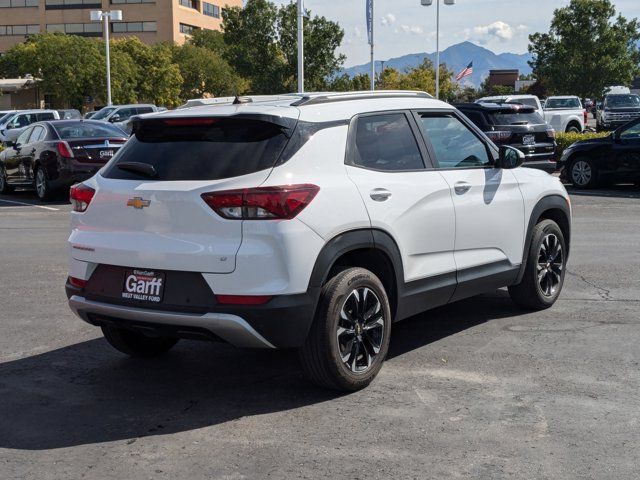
[(550, 202)]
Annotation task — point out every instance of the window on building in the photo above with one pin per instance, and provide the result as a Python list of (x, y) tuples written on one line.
[(132, 1), (18, 3), (82, 29), (190, 4), (211, 10), (71, 4), (127, 27), (187, 29), (8, 30)]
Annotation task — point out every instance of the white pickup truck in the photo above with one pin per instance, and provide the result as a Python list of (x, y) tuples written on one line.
[(564, 114)]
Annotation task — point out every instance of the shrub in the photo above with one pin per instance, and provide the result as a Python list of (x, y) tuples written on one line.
[(566, 139)]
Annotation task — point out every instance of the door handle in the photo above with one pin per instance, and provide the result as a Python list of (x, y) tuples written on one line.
[(380, 194), (462, 187)]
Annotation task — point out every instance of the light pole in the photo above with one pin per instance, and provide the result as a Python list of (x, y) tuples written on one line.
[(105, 17), (427, 3), (300, 46)]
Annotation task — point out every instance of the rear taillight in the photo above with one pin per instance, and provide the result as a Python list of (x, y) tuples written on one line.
[(263, 203), (80, 196), (64, 150), (586, 117), (499, 135), (551, 133), (77, 282), (243, 299)]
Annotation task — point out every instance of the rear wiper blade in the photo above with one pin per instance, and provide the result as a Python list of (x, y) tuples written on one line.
[(520, 123), (138, 167)]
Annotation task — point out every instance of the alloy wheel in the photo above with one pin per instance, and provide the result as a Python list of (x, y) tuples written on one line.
[(360, 330), (550, 265), (41, 183), (581, 173)]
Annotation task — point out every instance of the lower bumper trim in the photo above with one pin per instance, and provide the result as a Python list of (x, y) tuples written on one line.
[(231, 328)]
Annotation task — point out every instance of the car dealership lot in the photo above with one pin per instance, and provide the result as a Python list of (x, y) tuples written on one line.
[(477, 389)]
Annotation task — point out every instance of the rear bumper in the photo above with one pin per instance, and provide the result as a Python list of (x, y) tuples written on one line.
[(544, 162), (283, 322), (71, 173)]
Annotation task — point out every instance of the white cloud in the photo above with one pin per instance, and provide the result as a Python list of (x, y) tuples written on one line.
[(357, 32), (413, 29), (388, 20), (499, 30)]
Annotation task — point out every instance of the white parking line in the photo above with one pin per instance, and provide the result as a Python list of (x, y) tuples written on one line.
[(29, 205)]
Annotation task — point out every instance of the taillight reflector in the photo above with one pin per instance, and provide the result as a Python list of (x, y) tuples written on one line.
[(243, 299), (64, 150), (77, 282), (263, 203), (80, 196)]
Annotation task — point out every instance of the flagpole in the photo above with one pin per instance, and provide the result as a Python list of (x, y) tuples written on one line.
[(373, 63)]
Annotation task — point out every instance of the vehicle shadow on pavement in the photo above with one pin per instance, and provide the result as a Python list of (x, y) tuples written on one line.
[(30, 197), (614, 191), (88, 393)]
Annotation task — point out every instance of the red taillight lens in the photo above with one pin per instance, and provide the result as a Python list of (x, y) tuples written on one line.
[(243, 299), (586, 117), (81, 196), (64, 150), (499, 135), (77, 282), (264, 203)]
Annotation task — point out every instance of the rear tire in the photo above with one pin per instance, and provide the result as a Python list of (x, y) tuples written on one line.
[(5, 188), (43, 187), (545, 269), (137, 344), (349, 338), (583, 173), (573, 129)]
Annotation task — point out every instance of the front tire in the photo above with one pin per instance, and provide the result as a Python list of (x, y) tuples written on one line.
[(583, 173), (5, 188), (349, 338), (545, 269), (136, 344)]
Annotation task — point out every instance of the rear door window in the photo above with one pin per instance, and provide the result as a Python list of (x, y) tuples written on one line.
[(386, 142), (37, 134), (142, 110), (45, 116), (200, 149)]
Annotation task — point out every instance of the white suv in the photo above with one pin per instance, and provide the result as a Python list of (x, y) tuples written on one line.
[(308, 222)]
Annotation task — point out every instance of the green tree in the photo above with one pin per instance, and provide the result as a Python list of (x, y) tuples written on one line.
[(261, 44), (587, 49), (422, 77), (205, 72), (211, 39), (488, 90), (67, 66)]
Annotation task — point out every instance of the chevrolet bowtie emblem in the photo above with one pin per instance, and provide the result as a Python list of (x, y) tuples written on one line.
[(138, 203)]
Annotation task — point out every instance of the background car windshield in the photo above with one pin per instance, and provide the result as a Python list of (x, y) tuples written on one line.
[(221, 148), (563, 103), (517, 118), (5, 117), (88, 130), (102, 114), (617, 101)]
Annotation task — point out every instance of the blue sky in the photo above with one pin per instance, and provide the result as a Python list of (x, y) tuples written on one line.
[(404, 26)]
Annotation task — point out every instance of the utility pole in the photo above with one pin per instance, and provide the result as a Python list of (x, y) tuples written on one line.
[(301, 46), (105, 18)]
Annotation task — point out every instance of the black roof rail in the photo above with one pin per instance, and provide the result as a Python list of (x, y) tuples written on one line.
[(350, 96)]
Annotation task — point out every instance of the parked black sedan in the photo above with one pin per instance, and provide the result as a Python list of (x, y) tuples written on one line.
[(56, 154), (611, 159)]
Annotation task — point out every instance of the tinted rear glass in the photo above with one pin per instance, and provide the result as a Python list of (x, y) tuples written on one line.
[(563, 103), (88, 130), (513, 118), (222, 149)]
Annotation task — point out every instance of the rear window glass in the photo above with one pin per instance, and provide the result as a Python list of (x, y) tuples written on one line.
[(563, 103), (514, 118), (88, 130), (223, 148)]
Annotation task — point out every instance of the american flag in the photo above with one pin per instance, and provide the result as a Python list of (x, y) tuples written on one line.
[(465, 73)]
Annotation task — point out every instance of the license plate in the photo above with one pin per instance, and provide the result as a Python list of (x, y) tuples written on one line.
[(143, 285), (528, 139)]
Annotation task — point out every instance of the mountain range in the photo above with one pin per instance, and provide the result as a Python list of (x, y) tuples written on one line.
[(456, 57)]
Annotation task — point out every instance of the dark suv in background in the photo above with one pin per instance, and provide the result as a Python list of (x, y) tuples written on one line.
[(516, 125)]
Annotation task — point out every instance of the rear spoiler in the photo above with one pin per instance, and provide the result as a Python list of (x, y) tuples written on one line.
[(287, 124)]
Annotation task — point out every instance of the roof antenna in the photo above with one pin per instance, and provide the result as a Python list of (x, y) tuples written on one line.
[(240, 100)]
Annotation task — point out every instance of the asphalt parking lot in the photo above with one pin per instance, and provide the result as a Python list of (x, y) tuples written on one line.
[(478, 389)]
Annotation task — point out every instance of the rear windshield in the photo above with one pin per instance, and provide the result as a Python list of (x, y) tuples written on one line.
[(620, 101), (562, 103), (223, 148), (512, 118), (88, 130)]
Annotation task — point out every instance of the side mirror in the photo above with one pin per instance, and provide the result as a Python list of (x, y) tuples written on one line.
[(11, 144), (509, 158), (115, 118), (9, 126)]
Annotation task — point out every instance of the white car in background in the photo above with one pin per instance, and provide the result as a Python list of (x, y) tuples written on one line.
[(119, 115), (565, 113), (14, 124), (530, 100)]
